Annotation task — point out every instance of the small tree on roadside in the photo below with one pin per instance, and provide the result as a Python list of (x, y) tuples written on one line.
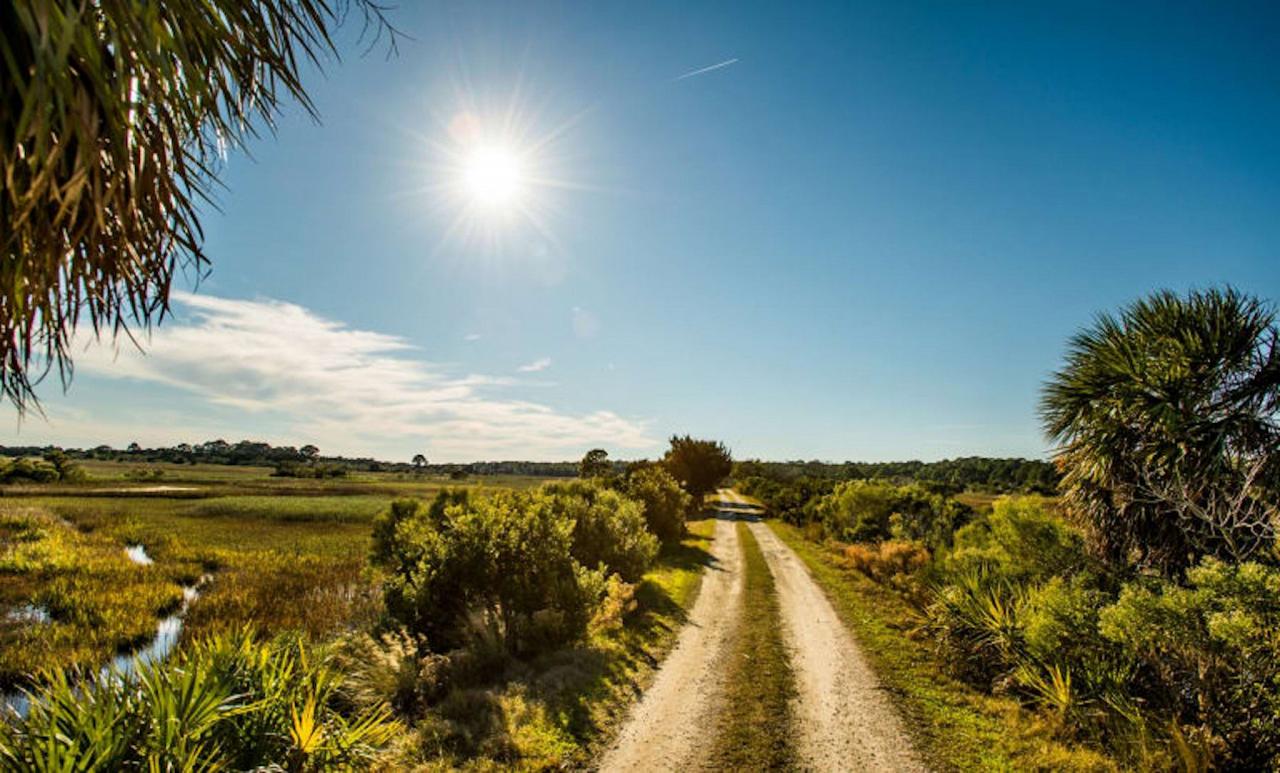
[(595, 464), (698, 465), (665, 503)]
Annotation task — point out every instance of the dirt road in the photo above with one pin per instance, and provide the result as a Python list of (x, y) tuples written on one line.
[(842, 718), (667, 730)]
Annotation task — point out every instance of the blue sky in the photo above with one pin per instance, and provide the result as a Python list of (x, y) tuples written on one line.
[(867, 238)]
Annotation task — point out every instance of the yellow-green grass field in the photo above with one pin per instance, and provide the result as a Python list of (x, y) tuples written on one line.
[(279, 554), (193, 481)]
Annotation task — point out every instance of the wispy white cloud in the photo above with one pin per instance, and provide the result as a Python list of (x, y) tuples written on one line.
[(472, 337), (346, 388), (540, 364), (709, 68)]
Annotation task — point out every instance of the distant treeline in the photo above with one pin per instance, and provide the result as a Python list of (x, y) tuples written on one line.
[(970, 473), (252, 453)]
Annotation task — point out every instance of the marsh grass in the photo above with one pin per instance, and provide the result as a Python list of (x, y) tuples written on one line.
[(98, 601), (66, 554), (296, 563), (342, 509), (169, 481)]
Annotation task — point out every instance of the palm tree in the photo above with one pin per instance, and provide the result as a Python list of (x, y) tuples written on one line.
[(113, 118), (1167, 418)]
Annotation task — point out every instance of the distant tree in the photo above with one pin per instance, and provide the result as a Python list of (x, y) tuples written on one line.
[(134, 448), (419, 462), (1168, 423), (309, 451), (595, 464), (699, 465), (115, 117)]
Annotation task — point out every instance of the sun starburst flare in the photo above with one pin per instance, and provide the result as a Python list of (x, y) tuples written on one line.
[(496, 180)]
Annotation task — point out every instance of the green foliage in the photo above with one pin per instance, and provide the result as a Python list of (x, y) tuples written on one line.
[(665, 503), (977, 619), (1167, 419), (1020, 540), (793, 500), (226, 702), (870, 511), (54, 467), (699, 465), (477, 708), (290, 469), (948, 476), (1155, 671), (1061, 619), (608, 529), (109, 146), (1213, 648), (496, 554), (27, 469), (595, 464), (536, 562)]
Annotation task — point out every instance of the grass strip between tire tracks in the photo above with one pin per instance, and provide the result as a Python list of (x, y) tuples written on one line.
[(755, 729)]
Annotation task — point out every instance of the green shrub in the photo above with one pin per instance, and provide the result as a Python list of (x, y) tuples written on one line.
[(535, 563), (872, 510), (794, 501), (394, 668), (27, 470), (608, 529), (665, 503), (977, 623), (1213, 649), (498, 553), (1060, 622), (1021, 540), (225, 702)]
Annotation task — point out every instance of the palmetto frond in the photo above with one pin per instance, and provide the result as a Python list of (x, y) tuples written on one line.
[(1172, 404), (114, 115)]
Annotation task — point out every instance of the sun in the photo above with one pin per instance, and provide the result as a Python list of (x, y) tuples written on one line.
[(497, 181), (493, 176)]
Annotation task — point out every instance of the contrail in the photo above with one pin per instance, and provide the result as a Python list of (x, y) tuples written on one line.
[(692, 73)]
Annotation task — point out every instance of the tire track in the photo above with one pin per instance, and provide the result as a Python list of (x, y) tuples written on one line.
[(844, 720), (667, 730)]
